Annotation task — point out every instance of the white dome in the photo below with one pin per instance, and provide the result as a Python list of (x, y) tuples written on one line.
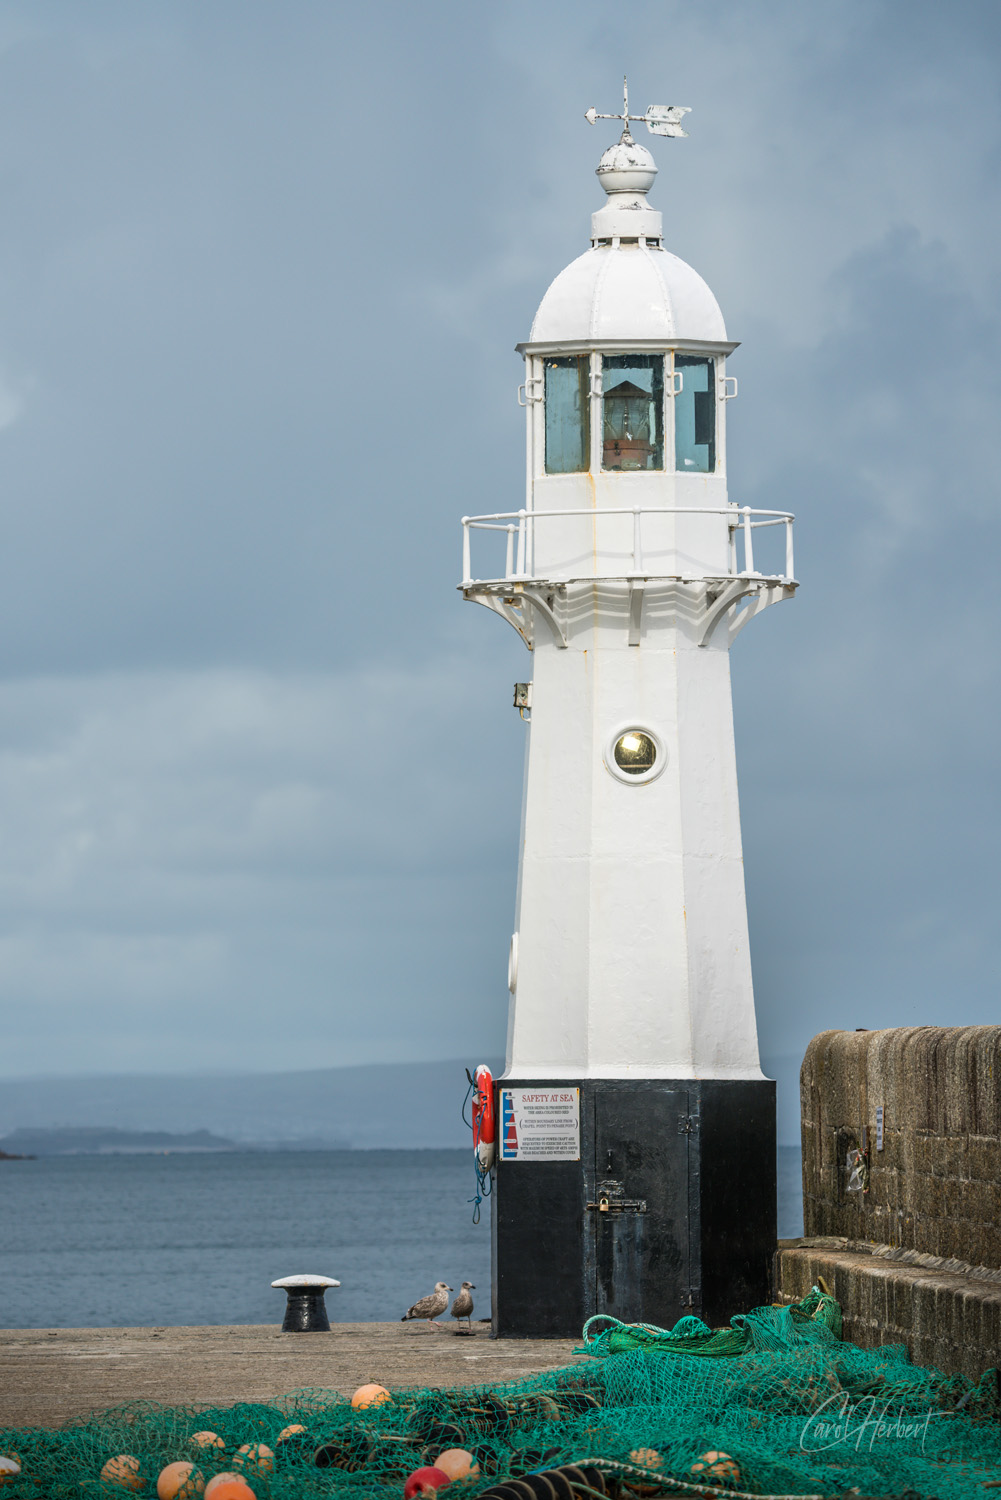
[(625, 293)]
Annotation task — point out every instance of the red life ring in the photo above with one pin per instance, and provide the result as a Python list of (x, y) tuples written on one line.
[(484, 1130)]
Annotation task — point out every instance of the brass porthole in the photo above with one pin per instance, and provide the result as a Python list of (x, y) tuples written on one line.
[(635, 755)]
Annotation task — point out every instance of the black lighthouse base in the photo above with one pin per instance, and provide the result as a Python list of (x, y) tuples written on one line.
[(670, 1209)]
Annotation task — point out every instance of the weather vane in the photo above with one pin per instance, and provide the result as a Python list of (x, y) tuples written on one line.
[(661, 119)]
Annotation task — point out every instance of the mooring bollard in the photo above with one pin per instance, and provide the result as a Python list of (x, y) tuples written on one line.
[(305, 1310)]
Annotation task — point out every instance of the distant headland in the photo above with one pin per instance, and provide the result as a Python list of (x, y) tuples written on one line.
[(96, 1140)]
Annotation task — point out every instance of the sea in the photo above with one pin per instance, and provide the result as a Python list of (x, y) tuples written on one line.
[(188, 1238)]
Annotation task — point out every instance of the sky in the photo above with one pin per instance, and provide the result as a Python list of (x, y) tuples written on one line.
[(262, 271)]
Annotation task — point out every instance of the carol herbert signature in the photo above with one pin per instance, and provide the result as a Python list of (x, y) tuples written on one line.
[(842, 1422)]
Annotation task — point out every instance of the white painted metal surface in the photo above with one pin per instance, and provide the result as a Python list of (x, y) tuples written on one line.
[(628, 292), (616, 538), (660, 119), (630, 956), (305, 1280)]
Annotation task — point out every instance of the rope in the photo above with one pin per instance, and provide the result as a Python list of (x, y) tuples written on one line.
[(484, 1182), (685, 1486), (814, 1320)]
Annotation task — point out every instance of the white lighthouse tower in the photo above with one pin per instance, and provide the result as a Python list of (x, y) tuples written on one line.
[(636, 1140)]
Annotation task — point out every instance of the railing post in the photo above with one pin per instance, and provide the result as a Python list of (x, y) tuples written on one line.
[(789, 565), (637, 543), (748, 544), (732, 528), (509, 559), (521, 545), (466, 570)]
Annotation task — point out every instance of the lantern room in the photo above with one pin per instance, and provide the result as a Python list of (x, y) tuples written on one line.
[(626, 393), (634, 411), (626, 390)]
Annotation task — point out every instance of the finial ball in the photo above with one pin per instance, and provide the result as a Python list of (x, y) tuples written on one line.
[(626, 168)]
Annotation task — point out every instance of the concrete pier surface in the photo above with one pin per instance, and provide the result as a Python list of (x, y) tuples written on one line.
[(50, 1376)]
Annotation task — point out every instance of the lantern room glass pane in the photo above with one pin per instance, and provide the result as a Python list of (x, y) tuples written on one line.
[(695, 415), (632, 411), (568, 415)]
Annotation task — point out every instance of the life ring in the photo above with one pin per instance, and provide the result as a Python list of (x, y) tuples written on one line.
[(484, 1128)]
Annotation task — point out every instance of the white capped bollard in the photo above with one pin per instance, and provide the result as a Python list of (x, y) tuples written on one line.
[(305, 1310)]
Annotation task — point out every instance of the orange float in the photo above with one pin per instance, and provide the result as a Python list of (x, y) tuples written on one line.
[(10, 1467), (229, 1487), (180, 1481), (715, 1467), (207, 1439), (255, 1456), (458, 1463), (125, 1471), (370, 1395)]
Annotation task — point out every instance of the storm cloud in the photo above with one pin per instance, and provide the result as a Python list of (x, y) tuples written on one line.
[(261, 274)]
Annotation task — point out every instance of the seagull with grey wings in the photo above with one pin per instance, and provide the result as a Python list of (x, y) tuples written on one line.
[(462, 1307), (431, 1306)]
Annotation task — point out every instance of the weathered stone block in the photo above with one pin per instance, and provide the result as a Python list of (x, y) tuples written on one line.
[(942, 1318), (936, 1186), (982, 1159)]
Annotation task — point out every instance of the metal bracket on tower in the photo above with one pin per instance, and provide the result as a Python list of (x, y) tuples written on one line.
[(723, 603), (772, 593), (508, 601), (543, 605), (635, 612), (508, 607), (765, 592)]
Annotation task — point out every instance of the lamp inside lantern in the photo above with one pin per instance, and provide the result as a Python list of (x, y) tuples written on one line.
[(632, 415)]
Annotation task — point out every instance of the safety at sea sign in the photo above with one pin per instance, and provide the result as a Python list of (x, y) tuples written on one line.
[(540, 1124)]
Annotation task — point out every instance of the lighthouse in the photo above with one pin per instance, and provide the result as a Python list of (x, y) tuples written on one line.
[(635, 1171)]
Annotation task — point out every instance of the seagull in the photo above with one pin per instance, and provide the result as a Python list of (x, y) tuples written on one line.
[(430, 1307), (462, 1307)]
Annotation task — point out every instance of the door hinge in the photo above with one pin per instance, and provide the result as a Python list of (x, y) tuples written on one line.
[(688, 1124), (611, 1199)]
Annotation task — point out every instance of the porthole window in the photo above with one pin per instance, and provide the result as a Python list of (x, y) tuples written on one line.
[(635, 755)]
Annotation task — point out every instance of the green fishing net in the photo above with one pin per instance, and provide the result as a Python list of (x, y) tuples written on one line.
[(777, 1404)]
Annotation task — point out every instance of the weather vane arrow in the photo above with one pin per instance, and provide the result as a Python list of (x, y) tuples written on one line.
[(660, 119)]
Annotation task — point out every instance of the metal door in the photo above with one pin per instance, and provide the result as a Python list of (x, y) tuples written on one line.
[(638, 1221)]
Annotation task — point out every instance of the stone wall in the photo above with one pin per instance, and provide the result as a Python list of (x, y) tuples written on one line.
[(944, 1317), (935, 1186)]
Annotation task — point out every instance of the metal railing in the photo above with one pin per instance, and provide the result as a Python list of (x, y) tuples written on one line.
[(520, 527)]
